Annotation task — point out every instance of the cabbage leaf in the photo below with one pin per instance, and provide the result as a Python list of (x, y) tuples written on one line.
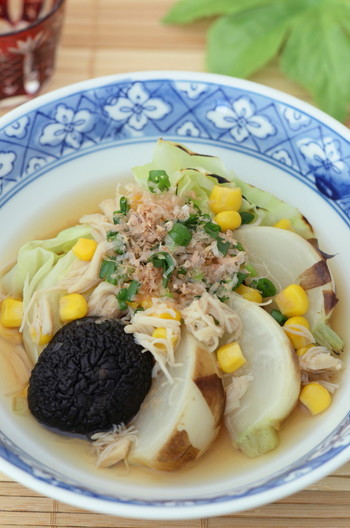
[(271, 209), (40, 265), (197, 185), (172, 157), (36, 259)]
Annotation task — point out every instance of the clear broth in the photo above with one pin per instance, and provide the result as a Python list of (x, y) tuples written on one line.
[(219, 462)]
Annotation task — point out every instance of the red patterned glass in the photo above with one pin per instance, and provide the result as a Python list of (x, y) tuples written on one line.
[(29, 34)]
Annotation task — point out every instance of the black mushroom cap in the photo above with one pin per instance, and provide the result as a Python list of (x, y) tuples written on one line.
[(91, 376)]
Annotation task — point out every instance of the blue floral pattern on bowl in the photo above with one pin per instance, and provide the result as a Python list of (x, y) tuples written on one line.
[(124, 109), (119, 111)]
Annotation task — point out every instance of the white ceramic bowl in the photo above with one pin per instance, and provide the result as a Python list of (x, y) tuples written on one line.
[(62, 152)]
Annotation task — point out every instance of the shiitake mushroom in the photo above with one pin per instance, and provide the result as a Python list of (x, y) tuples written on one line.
[(91, 376)]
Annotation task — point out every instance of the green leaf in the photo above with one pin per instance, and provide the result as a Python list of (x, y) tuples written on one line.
[(187, 11), (317, 55), (240, 44)]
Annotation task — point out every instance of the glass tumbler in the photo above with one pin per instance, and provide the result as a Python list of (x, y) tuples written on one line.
[(29, 35)]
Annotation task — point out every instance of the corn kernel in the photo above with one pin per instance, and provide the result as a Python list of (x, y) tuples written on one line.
[(24, 392), (251, 294), (72, 306), (301, 351), (85, 248), (42, 339), (133, 304), (228, 220), (136, 199), (146, 302), (11, 334), (230, 357), (284, 223), (225, 199), (315, 397), (161, 333), (11, 313), (298, 341), (167, 315), (292, 300)]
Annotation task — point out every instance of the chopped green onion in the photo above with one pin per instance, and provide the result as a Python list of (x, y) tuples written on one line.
[(246, 217), (212, 229), (126, 295), (119, 246), (223, 247), (224, 298), (192, 221), (124, 206), (238, 246), (251, 269), (180, 234), (107, 270), (240, 278), (163, 260), (265, 287), (111, 235), (181, 271), (158, 180), (279, 317), (197, 276)]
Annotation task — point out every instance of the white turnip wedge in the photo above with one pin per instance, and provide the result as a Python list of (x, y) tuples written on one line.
[(178, 422), (285, 258), (274, 389)]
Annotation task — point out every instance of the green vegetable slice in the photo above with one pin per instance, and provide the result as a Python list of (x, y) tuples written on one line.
[(126, 295), (171, 158), (180, 234), (279, 317), (265, 287), (158, 180), (107, 270), (246, 217), (163, 260)]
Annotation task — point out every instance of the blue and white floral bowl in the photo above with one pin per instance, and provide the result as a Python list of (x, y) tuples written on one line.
[(63, 151)]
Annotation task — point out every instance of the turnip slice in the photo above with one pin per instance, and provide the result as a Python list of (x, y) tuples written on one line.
[(178, 422), (274, 389), (285, 258)]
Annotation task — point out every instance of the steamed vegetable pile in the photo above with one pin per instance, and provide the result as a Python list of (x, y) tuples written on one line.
[(192, 301)]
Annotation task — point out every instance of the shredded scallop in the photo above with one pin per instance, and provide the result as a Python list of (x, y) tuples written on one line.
[(207, 318), (99, 225), (235, 390), (318, 359), (103, 301), (113, 446), (82, 275), (40, 317), (299, 330), (143, 324), (318, 364)]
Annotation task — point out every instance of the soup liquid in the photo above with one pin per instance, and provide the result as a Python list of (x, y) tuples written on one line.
[(219, 462)]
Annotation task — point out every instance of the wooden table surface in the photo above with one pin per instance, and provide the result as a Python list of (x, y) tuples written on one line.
[(103, 37)]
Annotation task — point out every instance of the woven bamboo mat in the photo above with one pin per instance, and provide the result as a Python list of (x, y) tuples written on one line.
[(103, 37)]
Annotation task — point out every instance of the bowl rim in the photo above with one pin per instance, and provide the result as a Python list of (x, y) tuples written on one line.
[(167, 512), (214, 78)]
